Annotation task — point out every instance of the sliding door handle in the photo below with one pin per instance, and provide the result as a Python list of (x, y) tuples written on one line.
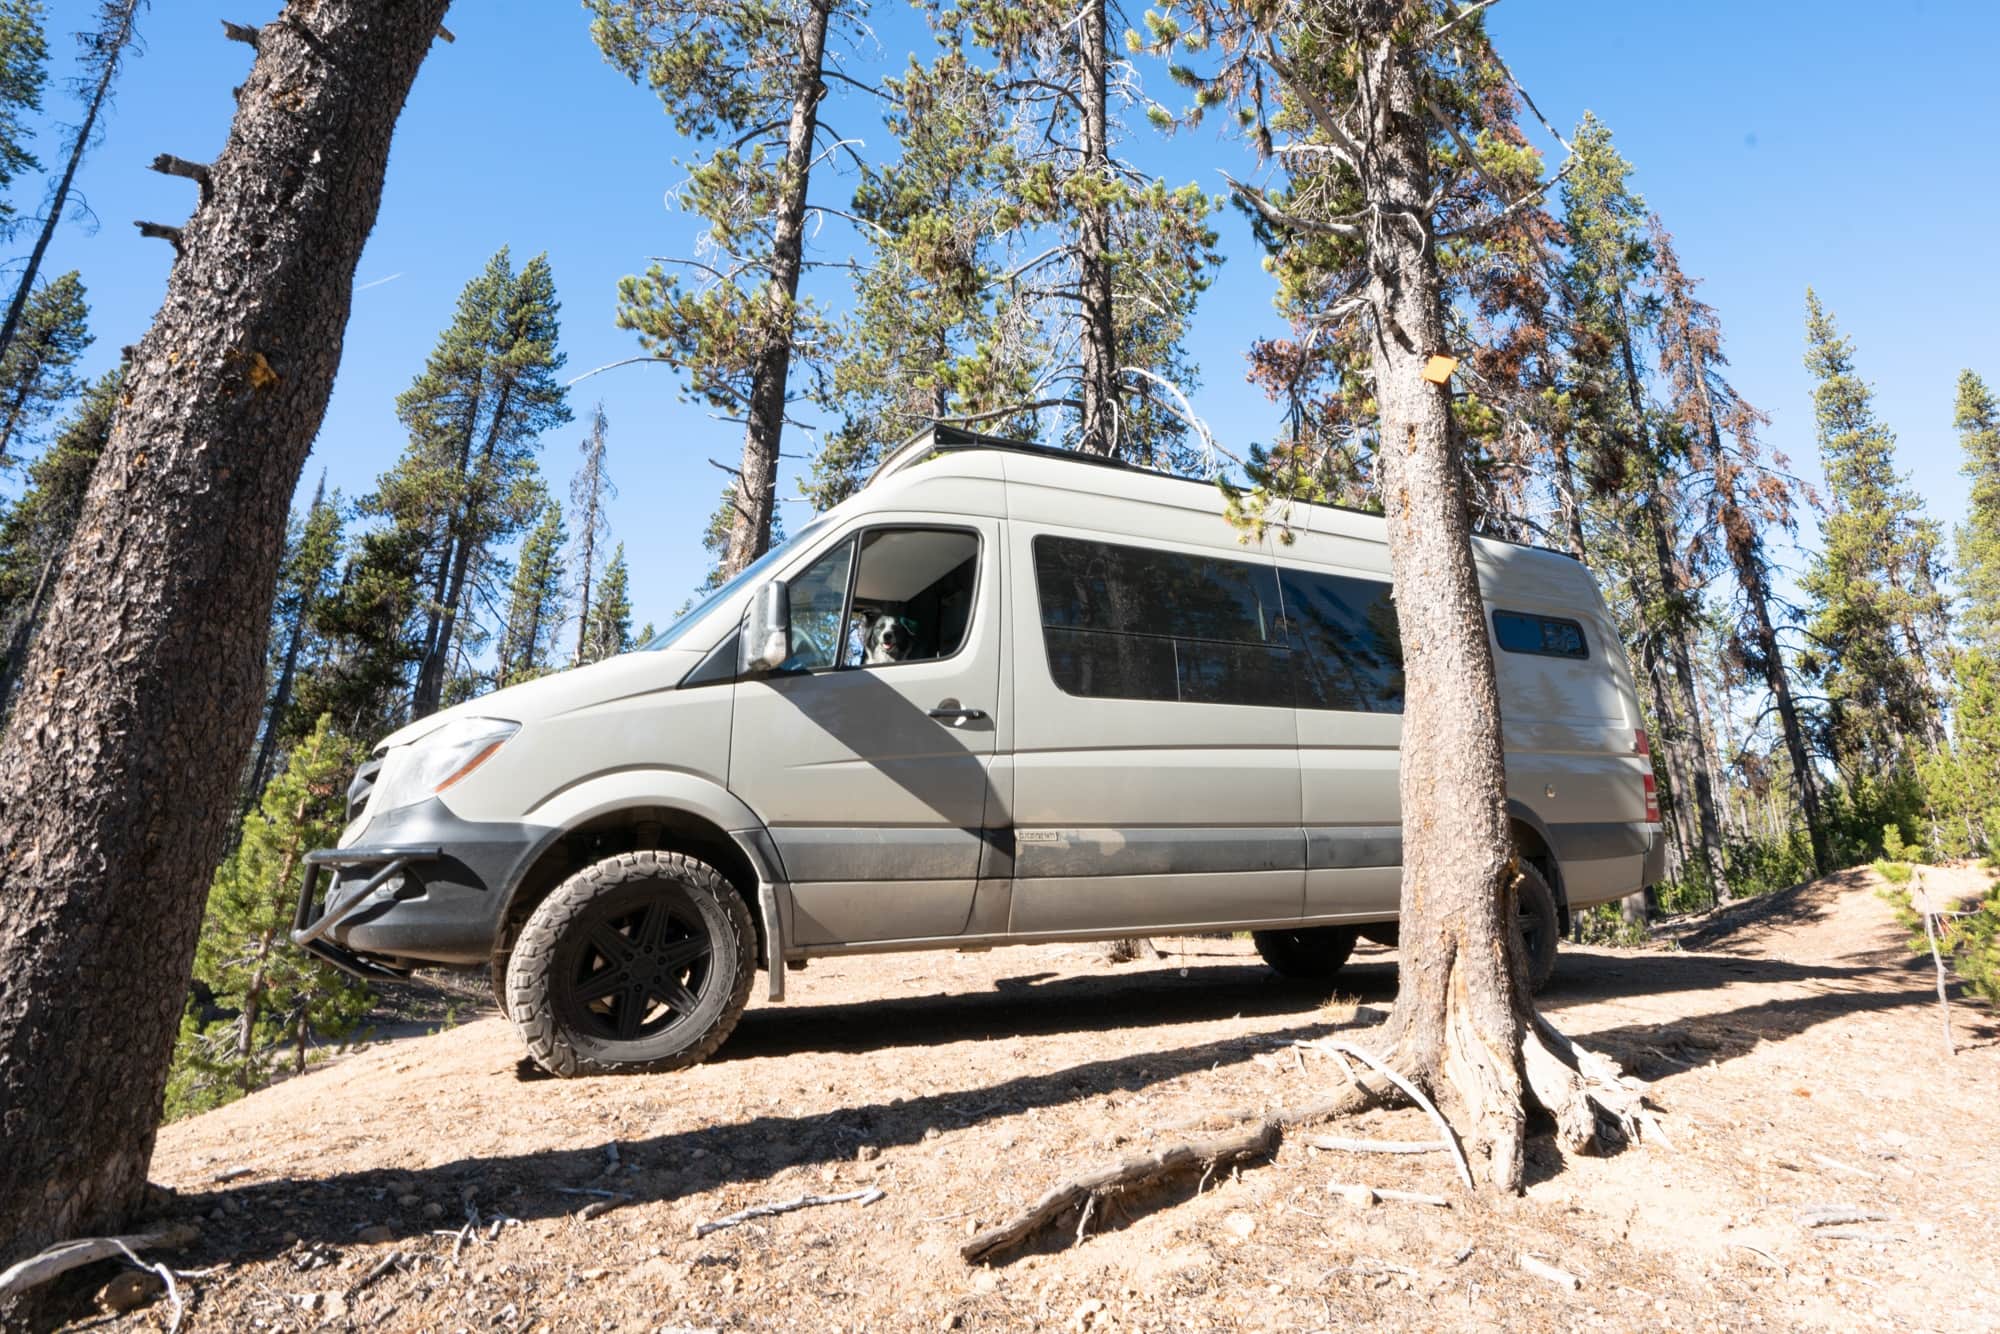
[(956, 716)]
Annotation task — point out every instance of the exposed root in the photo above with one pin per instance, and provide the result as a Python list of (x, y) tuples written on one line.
[(1585, 1091)]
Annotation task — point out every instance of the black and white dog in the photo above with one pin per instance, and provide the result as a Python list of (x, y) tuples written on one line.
[(885, 640)]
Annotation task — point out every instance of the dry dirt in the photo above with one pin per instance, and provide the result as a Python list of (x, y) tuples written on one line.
[(1793, 1045)]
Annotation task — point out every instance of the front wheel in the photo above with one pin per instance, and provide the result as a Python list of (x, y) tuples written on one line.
[(642, 962), (1309, 954)]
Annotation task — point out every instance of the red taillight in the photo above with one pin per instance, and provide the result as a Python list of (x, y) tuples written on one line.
[(1640, 746), (1652, 798)]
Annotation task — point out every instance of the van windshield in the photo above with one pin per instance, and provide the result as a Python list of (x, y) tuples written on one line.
[(748, 575)]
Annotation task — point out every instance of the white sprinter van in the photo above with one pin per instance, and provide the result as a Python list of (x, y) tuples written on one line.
[(1003, 694)]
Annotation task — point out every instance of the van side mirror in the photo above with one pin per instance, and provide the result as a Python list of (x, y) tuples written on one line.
[(767, 637)]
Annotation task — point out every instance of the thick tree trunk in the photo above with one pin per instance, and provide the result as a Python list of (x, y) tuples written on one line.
[(1461, 1003), (1099, 341), (757, 478), (115, 787)]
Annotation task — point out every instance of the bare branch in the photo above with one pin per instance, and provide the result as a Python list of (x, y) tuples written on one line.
[(238, 32), (1455, 20), (159, 231), (1272, 213), (169, 165), (994, 414)]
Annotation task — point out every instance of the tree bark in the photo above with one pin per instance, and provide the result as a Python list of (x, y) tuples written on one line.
[(1099, 341), (114, 803), (121, 35), (757, 479)]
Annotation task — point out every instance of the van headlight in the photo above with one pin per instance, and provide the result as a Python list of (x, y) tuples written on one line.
[(428, 766)]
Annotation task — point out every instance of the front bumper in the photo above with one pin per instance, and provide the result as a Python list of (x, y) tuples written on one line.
[(424, 887)]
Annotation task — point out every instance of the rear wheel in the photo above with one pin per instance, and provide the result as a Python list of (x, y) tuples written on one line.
[(642, 962), (1313, 953), (1539, 926)]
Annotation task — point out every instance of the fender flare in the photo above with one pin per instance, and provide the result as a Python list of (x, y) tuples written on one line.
[(676, 789), (1520, 810)]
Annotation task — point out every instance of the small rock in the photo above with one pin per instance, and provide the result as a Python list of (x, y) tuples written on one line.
[(434, 1210), (409, 1201), (375, 1234), (985, 1281), (1239, 1226), (1359, 1196), (130, 1290), (867, 1153), (932, 1132)]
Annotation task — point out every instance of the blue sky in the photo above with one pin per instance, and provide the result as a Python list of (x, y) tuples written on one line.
[(1839, 144)]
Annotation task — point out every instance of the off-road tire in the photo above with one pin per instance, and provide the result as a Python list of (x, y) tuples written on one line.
[(1541, 928), (496, 977), (562, 1034), (1307, 954)]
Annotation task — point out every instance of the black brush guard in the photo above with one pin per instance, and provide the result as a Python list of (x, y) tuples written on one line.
[(312, 921)]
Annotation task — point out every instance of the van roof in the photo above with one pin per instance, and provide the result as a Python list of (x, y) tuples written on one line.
[(946, 439)]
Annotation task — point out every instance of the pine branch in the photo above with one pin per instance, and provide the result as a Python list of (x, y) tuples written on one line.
[(159, 231), (169, 165), (238, 32)]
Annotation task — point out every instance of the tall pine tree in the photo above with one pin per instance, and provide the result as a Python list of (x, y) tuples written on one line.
[(38, 369), (468, 480), (24, 73), (536, 603), (1868, 580), (589, 490), (609, 629)]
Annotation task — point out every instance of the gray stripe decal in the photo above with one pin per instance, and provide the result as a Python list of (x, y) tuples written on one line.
[(1042, 854), (1346, 847), (1587, 841), (892, 853)]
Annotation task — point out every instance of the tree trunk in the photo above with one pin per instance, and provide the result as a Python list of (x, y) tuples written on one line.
[(1099, 341), (757, 479), (121, 37), (115, 798), (437, 656)]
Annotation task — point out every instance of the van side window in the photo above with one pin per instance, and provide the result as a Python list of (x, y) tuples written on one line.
[(1123, 622), (1546, 636), (912, 597), (1353, 649)]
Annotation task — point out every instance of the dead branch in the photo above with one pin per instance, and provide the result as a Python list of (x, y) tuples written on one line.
[(1342, 1144), (1832, 1215), (1920, 899), (1543, 1269), (159, 231), (446, 33), (378, 1273), (868, 1196), (1410, 1090), (60, 1259), (1366, 1195), (167, 1277), (1259, 1141), (239, 32), (1859, 1234), (169, 165)]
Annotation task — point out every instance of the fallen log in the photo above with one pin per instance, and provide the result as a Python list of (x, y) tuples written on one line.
[(60, 1259)]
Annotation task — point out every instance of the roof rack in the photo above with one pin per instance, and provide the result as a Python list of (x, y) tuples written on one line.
[(942, 438)]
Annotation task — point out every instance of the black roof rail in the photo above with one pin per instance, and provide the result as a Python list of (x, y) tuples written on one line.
[(944, 438)]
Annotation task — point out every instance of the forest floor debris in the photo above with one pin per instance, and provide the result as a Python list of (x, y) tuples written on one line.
[(1791, 1043)]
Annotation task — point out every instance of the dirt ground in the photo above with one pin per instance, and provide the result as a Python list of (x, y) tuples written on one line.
[(1793, 1046)]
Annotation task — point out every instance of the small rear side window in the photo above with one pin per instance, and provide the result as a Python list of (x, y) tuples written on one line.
[(1545, 636)]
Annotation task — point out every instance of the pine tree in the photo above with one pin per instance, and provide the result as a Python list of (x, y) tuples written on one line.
[(285, 999), (35, 532), (1387, 91), (930, 336), (1748, 499), (365, 637), (145, 680), (1109, 260), (24, 73), (1977, 420), (749, 78), (536, 603), (588, 492), (609, 632), (1868, 580), (313, 551), (467, 481), (38, 369), (1638, 465), (104, 52)]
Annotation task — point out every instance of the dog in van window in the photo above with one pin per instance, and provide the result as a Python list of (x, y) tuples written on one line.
[(885, 639)]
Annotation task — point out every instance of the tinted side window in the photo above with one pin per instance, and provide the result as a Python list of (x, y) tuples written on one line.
[(1546, 636), (1123, 622), (1352, 651)]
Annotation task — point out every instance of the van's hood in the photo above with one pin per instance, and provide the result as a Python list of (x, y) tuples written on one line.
[(616, 678)]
